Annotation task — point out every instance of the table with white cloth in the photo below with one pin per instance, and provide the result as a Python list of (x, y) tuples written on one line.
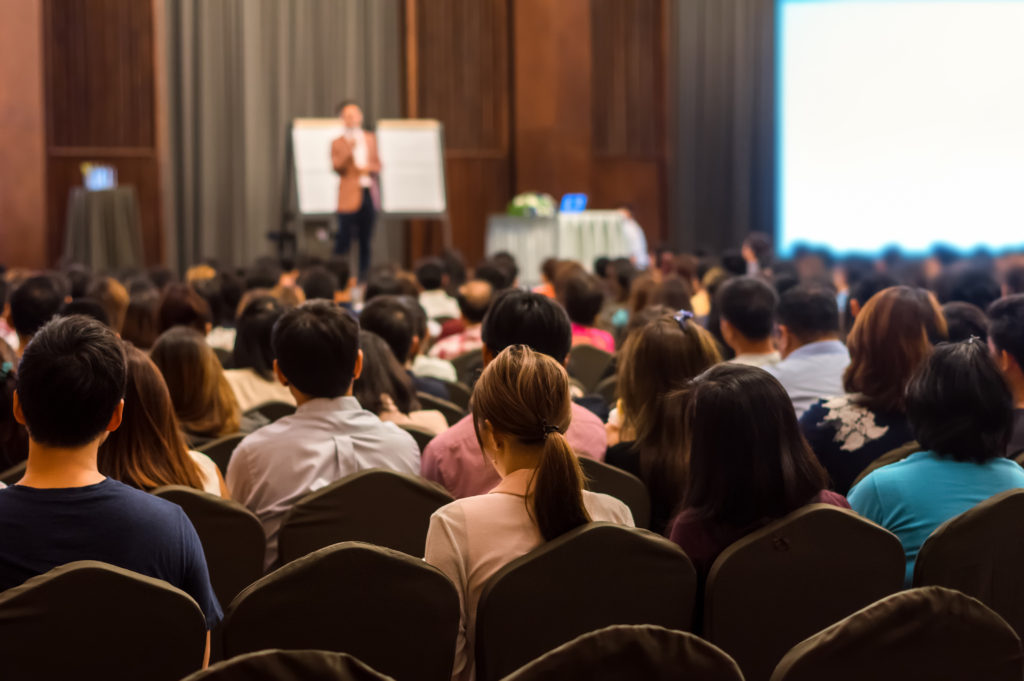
[(582, 237)]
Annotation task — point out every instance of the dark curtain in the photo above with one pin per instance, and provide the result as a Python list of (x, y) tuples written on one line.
[(722, 104)]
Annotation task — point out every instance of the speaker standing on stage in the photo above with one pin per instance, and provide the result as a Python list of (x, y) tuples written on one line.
[(354, 156)]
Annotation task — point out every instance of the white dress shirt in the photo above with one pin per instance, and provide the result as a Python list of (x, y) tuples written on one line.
[(812, 372), (323, 441), (757, 359), (360, 153), (471, 539), (439, 305)]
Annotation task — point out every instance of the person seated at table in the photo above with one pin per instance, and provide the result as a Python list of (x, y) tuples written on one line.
[(475, 299), (148, 450), (252, 379), (582, 296), (521, 412)]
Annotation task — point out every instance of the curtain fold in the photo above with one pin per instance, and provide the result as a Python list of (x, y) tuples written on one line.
[(237, 72)]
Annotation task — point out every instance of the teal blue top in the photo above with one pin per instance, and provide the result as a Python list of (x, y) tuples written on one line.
[(912, 497)]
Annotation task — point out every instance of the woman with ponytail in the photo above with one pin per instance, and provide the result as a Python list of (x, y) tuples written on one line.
[(521, 410)]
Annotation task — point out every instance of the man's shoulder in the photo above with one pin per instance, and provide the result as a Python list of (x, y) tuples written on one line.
[(453, 438), (584, 418)]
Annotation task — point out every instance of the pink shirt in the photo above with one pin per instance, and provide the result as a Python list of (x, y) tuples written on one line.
[(454, 459), (459, 344), (588, 335), (471, 539)]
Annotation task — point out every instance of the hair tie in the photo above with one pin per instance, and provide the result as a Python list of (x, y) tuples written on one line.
[(550, 429)]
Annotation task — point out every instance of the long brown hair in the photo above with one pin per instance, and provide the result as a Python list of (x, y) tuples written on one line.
[(525, 394), (891, 337), (148, 450), (202, 396)]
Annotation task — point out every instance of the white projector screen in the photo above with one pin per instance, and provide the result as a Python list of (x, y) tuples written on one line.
[(900, 122)]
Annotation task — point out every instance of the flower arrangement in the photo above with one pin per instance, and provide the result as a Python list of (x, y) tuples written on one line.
[(532, 205)]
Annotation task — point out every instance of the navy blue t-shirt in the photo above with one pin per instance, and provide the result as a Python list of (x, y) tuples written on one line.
[(41, 529)]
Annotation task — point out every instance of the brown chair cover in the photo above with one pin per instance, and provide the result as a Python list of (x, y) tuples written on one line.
[(780, 584), (467, 365), (589, 578), (290, 665), (929, 634), (625, 653), (393, 612), (272, 411), (232, 538), (981, 553), (221, 449), (14, 473), (452, 412), (588, 364), (459, 393), (92, 620), (375, 506), (892, 456), (625, 487), (421, 435)]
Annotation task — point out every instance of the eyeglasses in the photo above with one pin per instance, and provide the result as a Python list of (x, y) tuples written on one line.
[(681, 317)]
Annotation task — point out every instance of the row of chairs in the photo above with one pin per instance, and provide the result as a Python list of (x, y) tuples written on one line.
[(587, 364)]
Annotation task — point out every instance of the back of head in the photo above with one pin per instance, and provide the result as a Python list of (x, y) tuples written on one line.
[(140, 320), (494, 275), (1006, 326), (809, 312), (181, 305), (747, 459), (582, 296), (85, 307), (80, 278), (1013, 280), (252, 338), (318, 283), (316, 346), (890, 339), (974, 285), (748, 303), (673, 292), (430, 274), (387, 282), (959, 404), (506, 262), (113, 296), (524, 395), (530, 319), (264, 273), (35, 302), (148, 450), (475, 298), (338, 266), (211, 290), (965, 321), (391, 318), (71, 378), (382, 375)]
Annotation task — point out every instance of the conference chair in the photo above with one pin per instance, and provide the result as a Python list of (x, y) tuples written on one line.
[(624, 486), (421, 435), (591, 577), (892, 456), (780, 584), (981, 553), (1019, 458), (588, 364), (632, 652), (221, 449), (608, 389), (467, 365), (452, 412), (375, 506), (14, 473), (929, 634), (232, 538), (292, 665), (273, 410), (392, 611), (91, 620), (459, 393)]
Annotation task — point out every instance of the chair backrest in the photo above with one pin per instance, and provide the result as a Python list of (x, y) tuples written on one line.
[(981, 553), (589, 578), (226, 358), (459, 393), (221, 449), (929, 634), (392, 611), (632, 652), (780, 584), (452, 412), (624, 486), (91, 620), (14, 473), (588, 364), (273, 411), (232, 538), (290, 665), (609, 390), (421, 435), (467, 364), (892, 456), (375, 506)]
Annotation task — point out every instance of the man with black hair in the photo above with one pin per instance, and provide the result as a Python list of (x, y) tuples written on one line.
[(453, 458), (33, 304), (434, 298), (318, 283), (339, 267), (71, 384), (394, 319), (474, 299), (1006, 341), (813, 358), (747, 309), (330, 436)]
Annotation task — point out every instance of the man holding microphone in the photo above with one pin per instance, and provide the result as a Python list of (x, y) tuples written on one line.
[(354, 156)]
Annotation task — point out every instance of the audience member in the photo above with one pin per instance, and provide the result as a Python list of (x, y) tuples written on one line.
[(33, 303), (474, 299), (181, 305), (434, 298), (141, 323), (658, 360), (71, 384), (506, 263), (148, 450), (113, 297), (965, 321), (582, 296), (1006, 339), (420, 365), (889, 341), (1013, 280), (84, 307), (252, 379), (265, 273), (974, 285), (7, 332), (521, 411), (330, 436), (493, 274), (861, 293), (221, 334), (318, 283), (453, 459), (673, 292), (548, 271), (338, 265), (747, 462), (961, 412), (747, 309), (80, 278), (13, 436), (813, 357), (395, 320), (388, 281), (386, 389)]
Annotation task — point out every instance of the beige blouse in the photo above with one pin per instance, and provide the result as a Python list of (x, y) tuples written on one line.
[(252, 390), (428, 419)]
